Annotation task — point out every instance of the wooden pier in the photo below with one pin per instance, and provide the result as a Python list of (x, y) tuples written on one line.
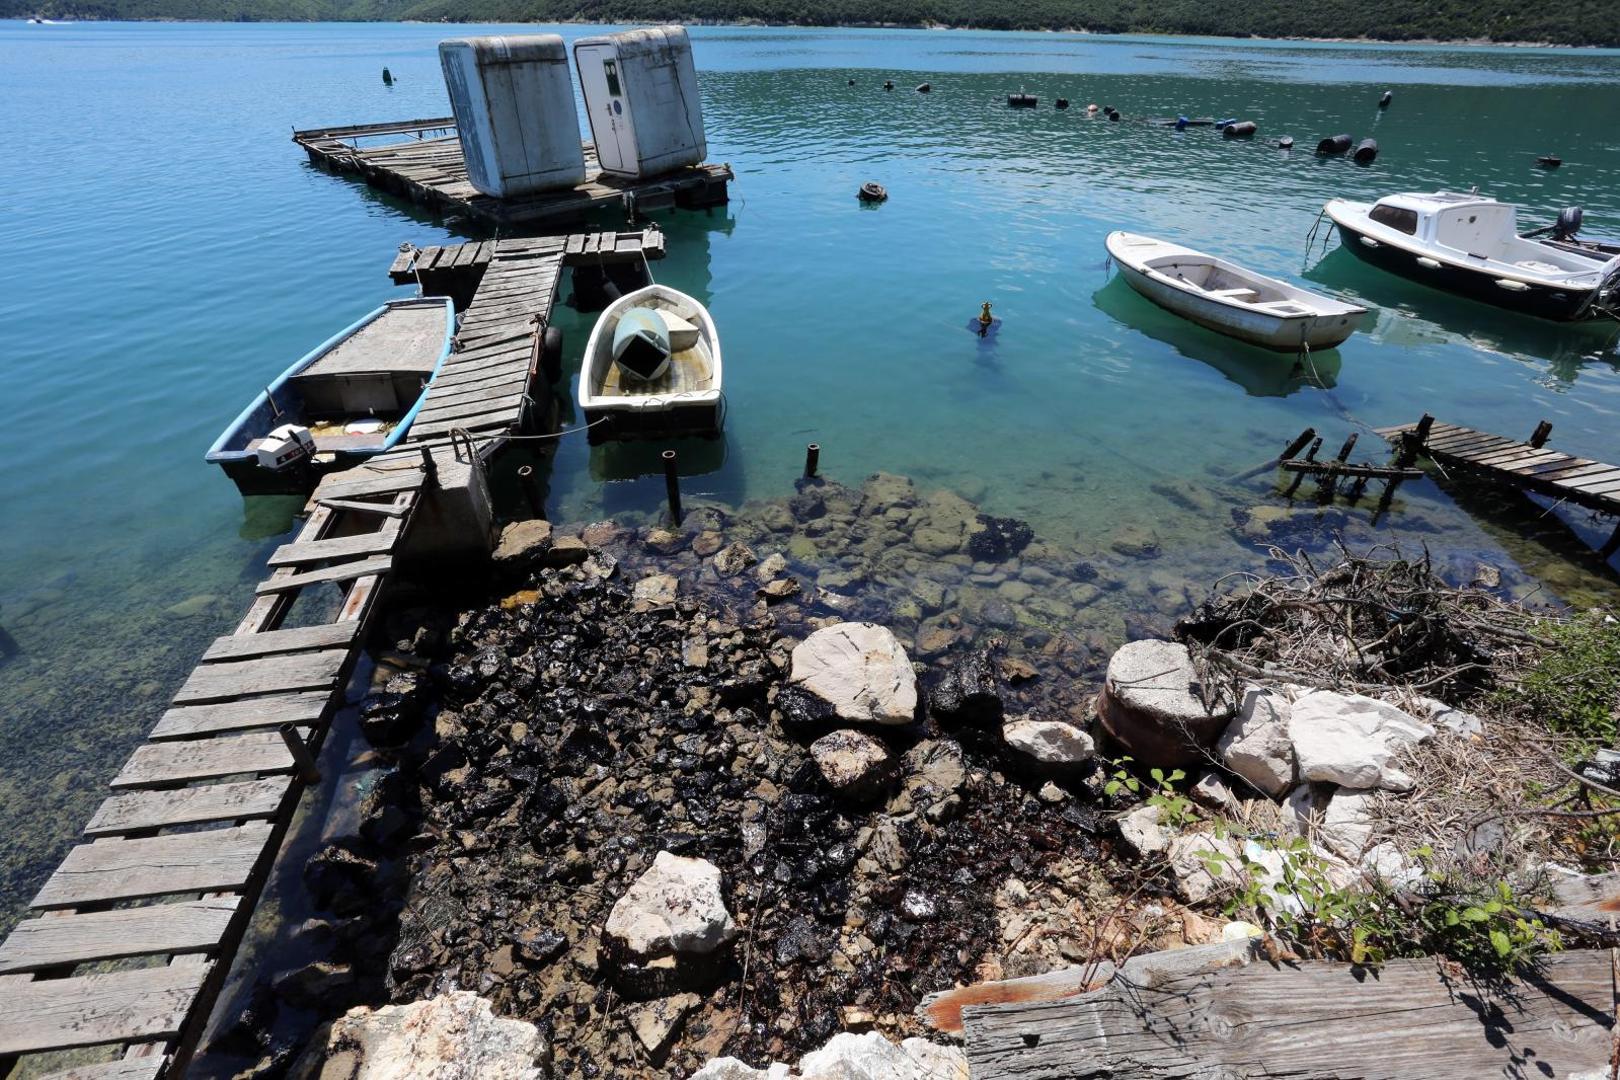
[(421, 160), (177, 855), (1529, 466)]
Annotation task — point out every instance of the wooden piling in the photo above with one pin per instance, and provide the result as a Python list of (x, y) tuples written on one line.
[(812, 459), (672, 485)]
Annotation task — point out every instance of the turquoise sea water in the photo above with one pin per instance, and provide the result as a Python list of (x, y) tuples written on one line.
[(167, 251)]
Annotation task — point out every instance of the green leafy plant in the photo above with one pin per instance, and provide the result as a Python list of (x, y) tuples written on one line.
[(1575, 688), (1479, 923), (1175, 809)]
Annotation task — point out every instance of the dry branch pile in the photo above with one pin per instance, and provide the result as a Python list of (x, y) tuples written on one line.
[(1369, 622)]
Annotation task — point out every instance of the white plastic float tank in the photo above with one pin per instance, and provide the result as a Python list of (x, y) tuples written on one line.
[(514, 105), (641, 96)]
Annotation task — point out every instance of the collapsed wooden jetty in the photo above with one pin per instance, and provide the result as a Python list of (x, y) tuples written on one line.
[(422, 160), (176, 857), (1529, 465)]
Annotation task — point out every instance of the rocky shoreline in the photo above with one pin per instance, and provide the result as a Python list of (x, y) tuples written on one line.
[(694, 801)]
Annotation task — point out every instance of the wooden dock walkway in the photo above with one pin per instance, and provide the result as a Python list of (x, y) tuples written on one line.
[(421, 160), (1529, 465), (177, 855)]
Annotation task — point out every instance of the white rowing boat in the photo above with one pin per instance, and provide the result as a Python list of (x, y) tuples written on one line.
[(652, 369), (1229, 299)]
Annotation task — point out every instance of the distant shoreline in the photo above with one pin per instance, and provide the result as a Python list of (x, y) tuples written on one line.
[(1465, 43)]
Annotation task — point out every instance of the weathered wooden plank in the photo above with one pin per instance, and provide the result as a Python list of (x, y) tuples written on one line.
[(123, 1006), (62, 940), (282, 674), (137, 811), (295, 639), (159, 763), (343, 572), (380, 542), (211, 860), (1517, 456), (1410, 1018), (355, 506), (500, 406), (192, 720), (369, 482), (136, 1068)]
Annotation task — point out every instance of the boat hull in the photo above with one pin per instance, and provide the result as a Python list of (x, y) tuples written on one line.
[(680, 421), (1561, 305), (1279, 333)]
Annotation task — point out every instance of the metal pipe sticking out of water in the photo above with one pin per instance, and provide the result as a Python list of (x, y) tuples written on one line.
[(672, 485), (531, 491), (812, 458), (303, 763)]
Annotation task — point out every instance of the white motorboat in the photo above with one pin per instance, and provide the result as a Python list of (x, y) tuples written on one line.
[(652, 369), (1470, 244), (1229, 299)]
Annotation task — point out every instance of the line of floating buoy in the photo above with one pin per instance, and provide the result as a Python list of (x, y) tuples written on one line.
[(1285, 143), (1383, 102), (1242, 129), (925, 88), (888, 84), (1021, 101), (1063, 103), (1366, 151), (872, 192), (388, 77), (1549, 161), (1334, 145)]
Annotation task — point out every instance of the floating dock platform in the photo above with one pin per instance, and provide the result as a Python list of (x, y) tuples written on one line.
[(176, 857), (421, 160)]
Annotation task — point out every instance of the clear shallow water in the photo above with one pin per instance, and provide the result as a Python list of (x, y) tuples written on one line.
[(169, 250)]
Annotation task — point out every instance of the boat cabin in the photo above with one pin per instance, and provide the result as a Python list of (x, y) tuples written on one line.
[(1473, 226)]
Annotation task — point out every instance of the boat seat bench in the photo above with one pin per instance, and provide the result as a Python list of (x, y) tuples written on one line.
[(1233, 294)]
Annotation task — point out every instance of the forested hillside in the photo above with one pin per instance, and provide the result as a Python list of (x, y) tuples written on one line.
[(1569, 22)]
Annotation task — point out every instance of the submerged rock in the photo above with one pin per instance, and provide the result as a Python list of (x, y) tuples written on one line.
[(860, 670), (734, 559), (998, 538), (523, 542)]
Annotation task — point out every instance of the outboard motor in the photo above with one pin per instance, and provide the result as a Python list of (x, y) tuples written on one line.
[(1366, 151), (1569, 223), (1337, 144)]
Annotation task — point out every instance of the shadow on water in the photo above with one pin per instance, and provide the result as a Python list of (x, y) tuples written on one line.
[(1412, 313), (1260, 372), (264, 516)]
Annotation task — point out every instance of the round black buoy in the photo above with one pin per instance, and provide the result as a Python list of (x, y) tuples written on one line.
[(872, 192), (1063, 103), (1549, 161), (1285, 143), (1243, 129), (851, 82), (925, 88), (1366, 152), (1383, 102), (1334, 144), (388, 77), (1113, 114), (1021, 101), (888, 84)]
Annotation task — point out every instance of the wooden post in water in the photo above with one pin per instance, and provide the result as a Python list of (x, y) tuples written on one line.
[(812, 458), (672, 485), (303, 764), (1267, 466), (1413, 441), (1330, 479), (1538, 438), (1310, 455), (531, 490)]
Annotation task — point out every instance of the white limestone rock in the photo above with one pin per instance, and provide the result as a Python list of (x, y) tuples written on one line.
[(1212, 790), (1050, 742), (1153, 704), (861, 670), (1350, 739), (676, 907), (1256, 745), (730, 1068), (1197, 876), (1141, 830), (455, 1036), (1347, 824)]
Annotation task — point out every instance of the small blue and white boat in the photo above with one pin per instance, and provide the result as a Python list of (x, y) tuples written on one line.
[(353, 396)]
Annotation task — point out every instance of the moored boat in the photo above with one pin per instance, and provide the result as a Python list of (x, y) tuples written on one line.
[(351, 397), (652, 369), (1469, 244), (1230, 299)]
